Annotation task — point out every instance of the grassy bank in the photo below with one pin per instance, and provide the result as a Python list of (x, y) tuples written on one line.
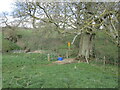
[(34, 71)]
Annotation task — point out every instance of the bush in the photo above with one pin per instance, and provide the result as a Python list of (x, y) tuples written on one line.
[(8, 46)]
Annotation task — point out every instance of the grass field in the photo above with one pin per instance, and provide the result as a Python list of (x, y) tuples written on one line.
[(34, 71)]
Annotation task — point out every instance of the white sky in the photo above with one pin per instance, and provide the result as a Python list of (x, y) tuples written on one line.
[(6, 5)]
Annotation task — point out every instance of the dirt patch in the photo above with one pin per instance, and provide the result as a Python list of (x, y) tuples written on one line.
[(38, 51), (66, 61), (24, 51)]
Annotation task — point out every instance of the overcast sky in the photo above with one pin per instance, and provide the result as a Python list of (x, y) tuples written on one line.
[(6, 5)]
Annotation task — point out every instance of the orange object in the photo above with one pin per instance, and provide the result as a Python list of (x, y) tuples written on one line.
[(68, 44)]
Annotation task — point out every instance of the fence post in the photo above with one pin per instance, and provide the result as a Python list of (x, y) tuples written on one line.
[(68, 51), (104, 60), (69, 45), (67, 54), (48, 57)]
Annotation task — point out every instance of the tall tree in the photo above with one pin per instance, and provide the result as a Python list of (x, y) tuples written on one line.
[(83, 18)]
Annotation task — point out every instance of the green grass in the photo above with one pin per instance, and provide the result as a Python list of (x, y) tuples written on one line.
[(34, 71)]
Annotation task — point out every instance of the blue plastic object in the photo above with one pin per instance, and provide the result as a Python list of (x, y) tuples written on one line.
[(60, 58)]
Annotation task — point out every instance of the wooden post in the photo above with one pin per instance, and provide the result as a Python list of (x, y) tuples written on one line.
[(66, 54), (48, 57), (68, 45), (104, 60)]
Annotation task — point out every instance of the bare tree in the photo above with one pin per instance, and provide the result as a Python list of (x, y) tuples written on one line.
[(83, 18)]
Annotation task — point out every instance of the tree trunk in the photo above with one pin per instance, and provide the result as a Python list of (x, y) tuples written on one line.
[(86, 46)]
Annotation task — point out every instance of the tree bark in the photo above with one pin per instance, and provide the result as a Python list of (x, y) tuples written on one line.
[(86, 46)]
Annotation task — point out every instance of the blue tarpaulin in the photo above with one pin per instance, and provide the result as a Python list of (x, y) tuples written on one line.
[(60, 58)]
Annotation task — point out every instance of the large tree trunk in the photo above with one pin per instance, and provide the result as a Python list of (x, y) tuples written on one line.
[(86, 46)]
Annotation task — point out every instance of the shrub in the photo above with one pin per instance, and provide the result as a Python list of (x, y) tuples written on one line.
[(8, 46)]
